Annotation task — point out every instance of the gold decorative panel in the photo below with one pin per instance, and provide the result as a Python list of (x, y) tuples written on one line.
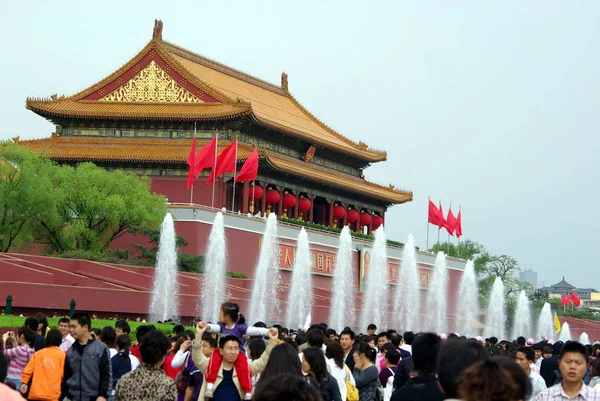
[(151, 84)]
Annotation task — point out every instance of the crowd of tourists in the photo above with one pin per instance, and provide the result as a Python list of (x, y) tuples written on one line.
[(229, 361)]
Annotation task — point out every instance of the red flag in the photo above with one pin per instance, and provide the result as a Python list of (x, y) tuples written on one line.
[(226, 163), (458, 230), (565, 300), (451, 222), (434, 214), (442, 223), (206, 157), (575, 299), (249, 170), (191, 161)]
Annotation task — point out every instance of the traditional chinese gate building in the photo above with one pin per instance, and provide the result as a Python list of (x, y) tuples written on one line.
[(142, 118)]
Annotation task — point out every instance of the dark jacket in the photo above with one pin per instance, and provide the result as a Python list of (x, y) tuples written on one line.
[(330, 391), (350, 360), (366, 383), (88, 372), (547, 369), (403, 372), (419, 388), (120, 366), (39, 342)]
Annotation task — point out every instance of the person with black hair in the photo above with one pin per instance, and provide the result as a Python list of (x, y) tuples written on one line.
[(408, 339), (595, 374), (42, 328), (6, 392), (148, 381), (108, 336), (392, 359), (337, 368), (496, 379), (365, 373), (525, 358), (454, 357), (39, 341), (87, 372), (67, 339), (550, 365), (347, 338), (283, 360), (521, 341), (315, 366), (537, 349), (20, 355), (140, 332), (45, 370), (424, 386), (286, 387), (573, 360), (371, 330), (123, 361), (122, 327)]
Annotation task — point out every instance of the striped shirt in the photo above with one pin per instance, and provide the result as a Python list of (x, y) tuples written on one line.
[(19, 356), (556, 393)]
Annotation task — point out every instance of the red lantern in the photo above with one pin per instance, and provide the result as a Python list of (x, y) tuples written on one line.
[(272, 197), (377, 222), (338, 212), (288, 201), (352, 216), (365, 218), (304, 204), (258, 192)]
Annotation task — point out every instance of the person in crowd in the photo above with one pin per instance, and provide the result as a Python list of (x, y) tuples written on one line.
[(392, 358), (39, 341), (168, 367), (256, 347), (404, 371), (371, 330), (42, 328), (424, 386), (382, 339), (123, 361), (148, 381), (233, 378), (283, 360), (573, 358), (537, 349), (87, 372), (398, 342), (525, 357), (314, 365), (67, 339), (108, 336), (347, 338), (20, 355), (183, 360), (288, 387), (595, 373), (45, 370), (365, 373), (96, 332), (454, 357), (331, 334), (6, 392), (122, 327), (496, 379), (409, 337), (338, 369), (546, 353), (550, 365), (380, 360), (140, 332), (195, 380)]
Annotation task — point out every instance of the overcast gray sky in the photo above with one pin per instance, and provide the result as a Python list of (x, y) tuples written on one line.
[(488, 105)]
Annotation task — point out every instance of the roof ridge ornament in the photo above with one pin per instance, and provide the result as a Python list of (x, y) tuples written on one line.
[(284, 82), (158, 27)]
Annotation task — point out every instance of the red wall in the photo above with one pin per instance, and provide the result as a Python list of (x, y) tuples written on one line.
[(173, 188)]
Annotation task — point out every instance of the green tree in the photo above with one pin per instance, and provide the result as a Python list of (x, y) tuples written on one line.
[(90, 207), (467, 249), (23, 179)]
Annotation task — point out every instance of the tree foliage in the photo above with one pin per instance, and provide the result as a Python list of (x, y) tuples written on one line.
[(67, 208)]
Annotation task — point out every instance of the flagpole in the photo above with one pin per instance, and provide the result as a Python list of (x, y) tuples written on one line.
[(192, 191), (440, 228), (448, 241), (457, 237), (212, 204), (429, 199), (234, 171)]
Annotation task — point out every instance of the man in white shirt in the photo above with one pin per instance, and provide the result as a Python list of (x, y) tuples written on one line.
[(572, 364), (67, 339), (525, 358)]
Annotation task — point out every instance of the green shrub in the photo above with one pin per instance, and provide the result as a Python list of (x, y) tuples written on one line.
[(236, 275)]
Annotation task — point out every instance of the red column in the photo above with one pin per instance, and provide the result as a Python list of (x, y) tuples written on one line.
[(370, 232), (263, 201), (245, 200)]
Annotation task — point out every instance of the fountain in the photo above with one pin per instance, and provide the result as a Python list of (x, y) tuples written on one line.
[(164, 303), (584, 338), (495, 323), (213, 284), (522, 321), (468, 302), (341, 311), (437, 296), (264, 301), (545, 327), (376, 281), (565, 333), (407, 299), (300, 297)]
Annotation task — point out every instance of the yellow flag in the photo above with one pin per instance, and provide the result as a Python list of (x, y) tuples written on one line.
[(556, 323)]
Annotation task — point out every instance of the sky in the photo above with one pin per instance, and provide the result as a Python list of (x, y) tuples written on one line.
[(489, 106)]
